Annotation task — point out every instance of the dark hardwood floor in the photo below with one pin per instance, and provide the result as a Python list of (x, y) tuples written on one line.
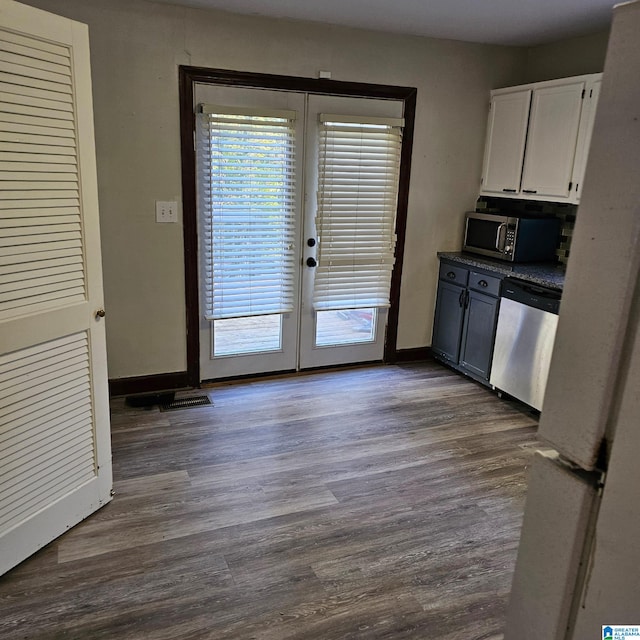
[(379, 502)]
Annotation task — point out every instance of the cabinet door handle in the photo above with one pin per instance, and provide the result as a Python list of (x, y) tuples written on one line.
[(529, 191), (466, 298), (461, 298), (509, 190), (483, 283), (451, 275)]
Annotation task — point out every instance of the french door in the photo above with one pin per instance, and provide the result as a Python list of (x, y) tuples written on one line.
[(265, 151)]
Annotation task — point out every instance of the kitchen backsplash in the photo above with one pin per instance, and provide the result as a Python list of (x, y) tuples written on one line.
[(565, 212)]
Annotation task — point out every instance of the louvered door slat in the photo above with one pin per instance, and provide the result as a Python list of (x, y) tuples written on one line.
[(40, 371), (36, 259), (34, 226), (34, 204), (7, 269), (16, 436), (40, 161), (39, 251), (7, 75), (43, 195), (35, 286), (53, 117), (54, 124), (36, 63), (18, 132), (17, 422), (67, 270), (34, 45), (51, 238), (17, 390), (22, 392), (9, 222), (11, 88), (61, 57), (48, 301), (22, 152), (48, 445), (59, 179), (45, 101), (21, 482), (13, 298)]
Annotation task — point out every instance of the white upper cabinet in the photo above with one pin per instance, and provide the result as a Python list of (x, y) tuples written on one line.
[(592, 94), (551, 144), (506, 137), (538, 139)]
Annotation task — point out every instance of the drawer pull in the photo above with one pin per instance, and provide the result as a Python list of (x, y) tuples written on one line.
[(483, 283), (451, 275), (509, 190), (529, 191)]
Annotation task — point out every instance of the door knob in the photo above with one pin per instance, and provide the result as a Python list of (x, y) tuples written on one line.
[(311, 262), (100, 313)]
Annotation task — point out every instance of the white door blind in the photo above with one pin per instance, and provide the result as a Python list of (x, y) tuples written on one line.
[(358, 170), (246, 166)]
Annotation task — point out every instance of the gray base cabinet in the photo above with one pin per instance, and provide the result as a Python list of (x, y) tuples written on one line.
[(465, 319)]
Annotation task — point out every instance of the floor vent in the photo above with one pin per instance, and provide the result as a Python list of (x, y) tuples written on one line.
[(186, 403)]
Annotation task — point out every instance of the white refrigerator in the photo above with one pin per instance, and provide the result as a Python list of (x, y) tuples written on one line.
[(578, 564)]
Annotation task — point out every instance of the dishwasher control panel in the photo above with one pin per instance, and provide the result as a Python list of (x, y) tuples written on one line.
[(532, 295)]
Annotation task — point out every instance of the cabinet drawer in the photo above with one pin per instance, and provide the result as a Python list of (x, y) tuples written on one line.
[(487, 284), (457, 275)]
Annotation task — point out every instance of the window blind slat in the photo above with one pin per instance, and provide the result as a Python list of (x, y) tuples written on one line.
[(358, 170), (246, 191)]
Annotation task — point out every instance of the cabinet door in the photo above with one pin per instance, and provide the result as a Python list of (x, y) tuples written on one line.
[(587, 119), (551, 146), (506, 136), (448, 321), (478, 333)]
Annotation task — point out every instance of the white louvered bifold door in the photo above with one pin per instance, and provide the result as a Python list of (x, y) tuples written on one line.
[(55, 459)]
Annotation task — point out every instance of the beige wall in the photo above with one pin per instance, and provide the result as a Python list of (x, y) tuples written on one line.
[(571, 57), (136, 47)]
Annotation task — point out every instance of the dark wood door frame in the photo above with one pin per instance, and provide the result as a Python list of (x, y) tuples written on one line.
[(191, 75)]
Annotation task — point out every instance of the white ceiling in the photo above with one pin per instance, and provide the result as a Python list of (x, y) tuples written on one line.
[(508, 22)]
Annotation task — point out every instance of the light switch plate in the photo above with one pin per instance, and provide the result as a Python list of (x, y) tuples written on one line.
[(166, 211)]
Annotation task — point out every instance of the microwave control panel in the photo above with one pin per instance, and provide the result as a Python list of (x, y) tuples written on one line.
[(510, 239)]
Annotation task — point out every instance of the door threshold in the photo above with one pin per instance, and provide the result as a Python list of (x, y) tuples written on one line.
[(279, 375)]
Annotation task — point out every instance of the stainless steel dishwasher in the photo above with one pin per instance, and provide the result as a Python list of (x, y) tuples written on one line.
[(525, 333)]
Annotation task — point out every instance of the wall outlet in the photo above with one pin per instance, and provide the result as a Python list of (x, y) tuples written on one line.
[(166, 211)]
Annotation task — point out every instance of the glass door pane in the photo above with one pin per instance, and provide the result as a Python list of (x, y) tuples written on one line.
[(240, 336), (347, 326)]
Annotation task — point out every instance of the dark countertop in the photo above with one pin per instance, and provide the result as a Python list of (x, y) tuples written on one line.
[(546, 274)]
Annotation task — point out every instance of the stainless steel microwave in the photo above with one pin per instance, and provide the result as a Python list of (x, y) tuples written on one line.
[(516, 238)]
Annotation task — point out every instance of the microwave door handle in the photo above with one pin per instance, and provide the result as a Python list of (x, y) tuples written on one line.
[(499, 238)]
